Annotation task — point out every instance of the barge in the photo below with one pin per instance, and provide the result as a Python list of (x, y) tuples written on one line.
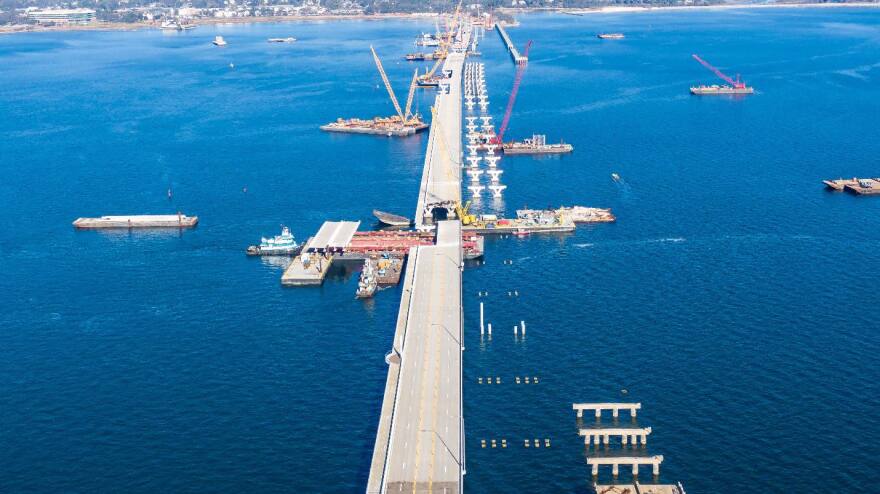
[(610, 36), (542, 222), (577, 214), (137, 221), (391, 127), (537, 144), (715, 89), (860, 186), (391, 219)]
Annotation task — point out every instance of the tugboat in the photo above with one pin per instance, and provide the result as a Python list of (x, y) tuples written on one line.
[(279, 245), (368, 284)]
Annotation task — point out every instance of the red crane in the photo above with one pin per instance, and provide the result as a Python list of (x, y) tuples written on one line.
[(520, 69), (735, 83)]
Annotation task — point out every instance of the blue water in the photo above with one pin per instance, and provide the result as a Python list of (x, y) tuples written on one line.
[(734, 297)]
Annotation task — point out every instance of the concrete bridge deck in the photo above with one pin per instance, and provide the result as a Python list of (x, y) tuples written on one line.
[(441, 177), (420, 440)]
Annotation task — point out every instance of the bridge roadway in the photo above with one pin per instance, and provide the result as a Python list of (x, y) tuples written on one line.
[(420, 439)]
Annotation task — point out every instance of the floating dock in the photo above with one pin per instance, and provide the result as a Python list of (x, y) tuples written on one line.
[(514, 53), (137, 221), (307, 270), (860, 186)]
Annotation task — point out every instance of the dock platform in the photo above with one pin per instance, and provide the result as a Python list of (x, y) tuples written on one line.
[(308, 269), (137, 221)]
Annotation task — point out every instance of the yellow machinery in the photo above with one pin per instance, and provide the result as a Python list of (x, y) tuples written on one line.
[(405, 116), (462, 212)]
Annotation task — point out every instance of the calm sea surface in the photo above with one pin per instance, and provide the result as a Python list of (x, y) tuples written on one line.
[(735, 298)]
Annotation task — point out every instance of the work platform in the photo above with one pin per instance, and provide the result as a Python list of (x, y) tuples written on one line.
[(420, 438), (310, 267), (514, 52)]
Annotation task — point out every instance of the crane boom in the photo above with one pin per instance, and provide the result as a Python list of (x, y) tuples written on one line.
[(735, 83), (520, 69), (387, 84), (409, 98)]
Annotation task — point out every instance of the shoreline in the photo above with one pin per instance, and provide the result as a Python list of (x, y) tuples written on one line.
[(208, 21), (135, 26), (673, 8)]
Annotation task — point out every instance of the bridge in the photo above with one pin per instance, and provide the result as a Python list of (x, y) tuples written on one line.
[(420, 439)]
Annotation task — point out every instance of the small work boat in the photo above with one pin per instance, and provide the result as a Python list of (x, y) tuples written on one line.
[(368, 284), (290, 39), (219, 41), (279, 245), (391, 219), (615, 177)]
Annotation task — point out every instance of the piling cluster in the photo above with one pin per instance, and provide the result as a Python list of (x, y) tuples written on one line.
[(480, 137)]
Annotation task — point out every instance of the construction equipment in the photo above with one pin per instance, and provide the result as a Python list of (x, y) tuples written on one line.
[(520, 70), (734, 87), (409, 98), (388, 85), (462, 212)]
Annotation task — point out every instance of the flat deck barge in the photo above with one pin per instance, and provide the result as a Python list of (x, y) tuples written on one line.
[(307, 270), (367, 127), (513, 227), (860, 186), (137, 221)]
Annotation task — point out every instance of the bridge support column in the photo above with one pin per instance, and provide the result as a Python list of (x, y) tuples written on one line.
[(635, 469), (598, 413), (614, 470), (595, 470), (615, 412), (656, 469), (644, 439), (623, 439)]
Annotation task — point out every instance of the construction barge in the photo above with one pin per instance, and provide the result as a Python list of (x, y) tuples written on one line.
[(537, 144), (577, 214), (860, 186), (137, 221), (391, 127), (541, 222), (403, 123), (733, 87)]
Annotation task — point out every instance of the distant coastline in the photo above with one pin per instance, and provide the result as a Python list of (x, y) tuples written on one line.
[(612, 10), (135, 26), (125, 26)]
